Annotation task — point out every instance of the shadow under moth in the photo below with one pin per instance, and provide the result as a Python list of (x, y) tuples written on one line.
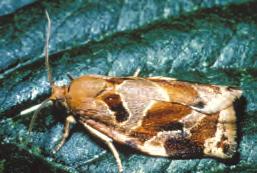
[(158, 116)]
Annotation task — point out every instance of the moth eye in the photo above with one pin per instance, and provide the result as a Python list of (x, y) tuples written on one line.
[(59, 103)]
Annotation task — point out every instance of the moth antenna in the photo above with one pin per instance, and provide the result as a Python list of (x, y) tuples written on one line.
[(38, 107), (48, 33), (42, 105), (49, 71)]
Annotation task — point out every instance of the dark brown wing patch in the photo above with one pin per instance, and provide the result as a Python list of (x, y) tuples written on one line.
[(115, 104), (205, 129), (162, 115), (182, 148)]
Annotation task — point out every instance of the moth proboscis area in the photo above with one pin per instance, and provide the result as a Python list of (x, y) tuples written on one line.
[(158, 116)]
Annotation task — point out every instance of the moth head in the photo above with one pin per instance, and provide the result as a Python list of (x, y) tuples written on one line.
[(58, 96), (57, 99), (58, 92)]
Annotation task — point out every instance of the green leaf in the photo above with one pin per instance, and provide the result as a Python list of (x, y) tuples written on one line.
[(212, 42)]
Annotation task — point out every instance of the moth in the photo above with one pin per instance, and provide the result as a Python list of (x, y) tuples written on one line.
[(158, 116)]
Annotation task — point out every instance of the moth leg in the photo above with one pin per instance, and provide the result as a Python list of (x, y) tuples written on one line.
[(109, 143), (69, 120), (136, 73)]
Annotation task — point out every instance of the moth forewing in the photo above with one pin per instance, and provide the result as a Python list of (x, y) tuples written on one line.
[(166, 128)]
